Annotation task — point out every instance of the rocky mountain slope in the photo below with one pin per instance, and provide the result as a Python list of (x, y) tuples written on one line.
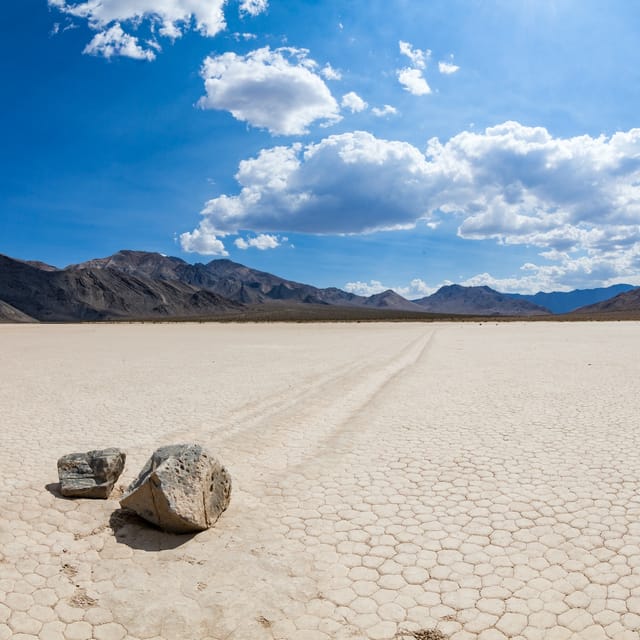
[(477, 301), (100, 294), (11, 314), (224, 277), (628, 301)]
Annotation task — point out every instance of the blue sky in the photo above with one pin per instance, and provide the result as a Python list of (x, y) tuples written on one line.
[(360, 144)]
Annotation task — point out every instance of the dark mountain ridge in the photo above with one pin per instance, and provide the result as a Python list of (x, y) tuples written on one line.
[(100, 294), (457, 299), (224, 277)]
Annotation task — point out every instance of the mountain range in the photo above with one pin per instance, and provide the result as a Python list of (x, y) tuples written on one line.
[(566, 301), (628, 301), (73, 294), (143, 285), (226, 278)]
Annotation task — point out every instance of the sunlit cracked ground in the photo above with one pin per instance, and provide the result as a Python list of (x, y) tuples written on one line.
[(478, 479)]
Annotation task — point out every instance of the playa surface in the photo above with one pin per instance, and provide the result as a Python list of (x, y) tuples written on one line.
[(479, 479)]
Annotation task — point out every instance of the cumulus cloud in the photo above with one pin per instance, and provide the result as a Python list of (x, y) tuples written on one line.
[(276, 89), (167, 18), (387, 110), (262, 242), (204, 241), (413, 81), (513, 183), (353, 102), (556, 193), (447, 68), (576, 199), (347, 183), (115, 42), (361, 288), (417, 288), (581, 271)]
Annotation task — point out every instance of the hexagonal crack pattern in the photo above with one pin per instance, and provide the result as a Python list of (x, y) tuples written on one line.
[(390, 481)]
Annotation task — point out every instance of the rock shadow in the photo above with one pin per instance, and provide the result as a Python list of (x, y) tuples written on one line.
[(54, 489), (134, 531)]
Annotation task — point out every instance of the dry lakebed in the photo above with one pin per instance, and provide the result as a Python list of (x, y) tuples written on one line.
[(390, 481)]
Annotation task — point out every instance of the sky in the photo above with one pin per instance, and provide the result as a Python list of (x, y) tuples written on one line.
[(363, 144)]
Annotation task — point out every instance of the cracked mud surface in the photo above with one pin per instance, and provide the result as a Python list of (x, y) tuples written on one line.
[(389, 481)]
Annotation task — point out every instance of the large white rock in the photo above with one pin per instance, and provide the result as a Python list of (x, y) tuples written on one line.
[(181, 489)]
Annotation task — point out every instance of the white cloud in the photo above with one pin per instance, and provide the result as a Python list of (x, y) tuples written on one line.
[(387, 110), (365, 288), (584, 271), (412, 78), (353, 102), (418, 58), (167, 18), (173, 16), (253, 7), (520, 185), (347, 183), (272, 89), (115, 42), (244, 36), (262, 241), (204, 241), (576, 199), (447, 68), (421, 288), (413, 81), (417, 288), (581, 272), (329, 73)]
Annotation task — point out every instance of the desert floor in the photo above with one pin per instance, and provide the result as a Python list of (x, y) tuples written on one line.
[(478, 479)]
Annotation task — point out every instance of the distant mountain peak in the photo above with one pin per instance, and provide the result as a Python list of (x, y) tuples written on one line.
[(390, 299), (479, 300), (124, 257), (567, 301), (624, 302), (43, 266)]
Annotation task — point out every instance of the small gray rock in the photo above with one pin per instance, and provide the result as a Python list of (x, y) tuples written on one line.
[(181, 489), (91, 474)]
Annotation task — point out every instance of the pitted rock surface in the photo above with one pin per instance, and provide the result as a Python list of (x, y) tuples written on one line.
[(92, 474), (181, 489)]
